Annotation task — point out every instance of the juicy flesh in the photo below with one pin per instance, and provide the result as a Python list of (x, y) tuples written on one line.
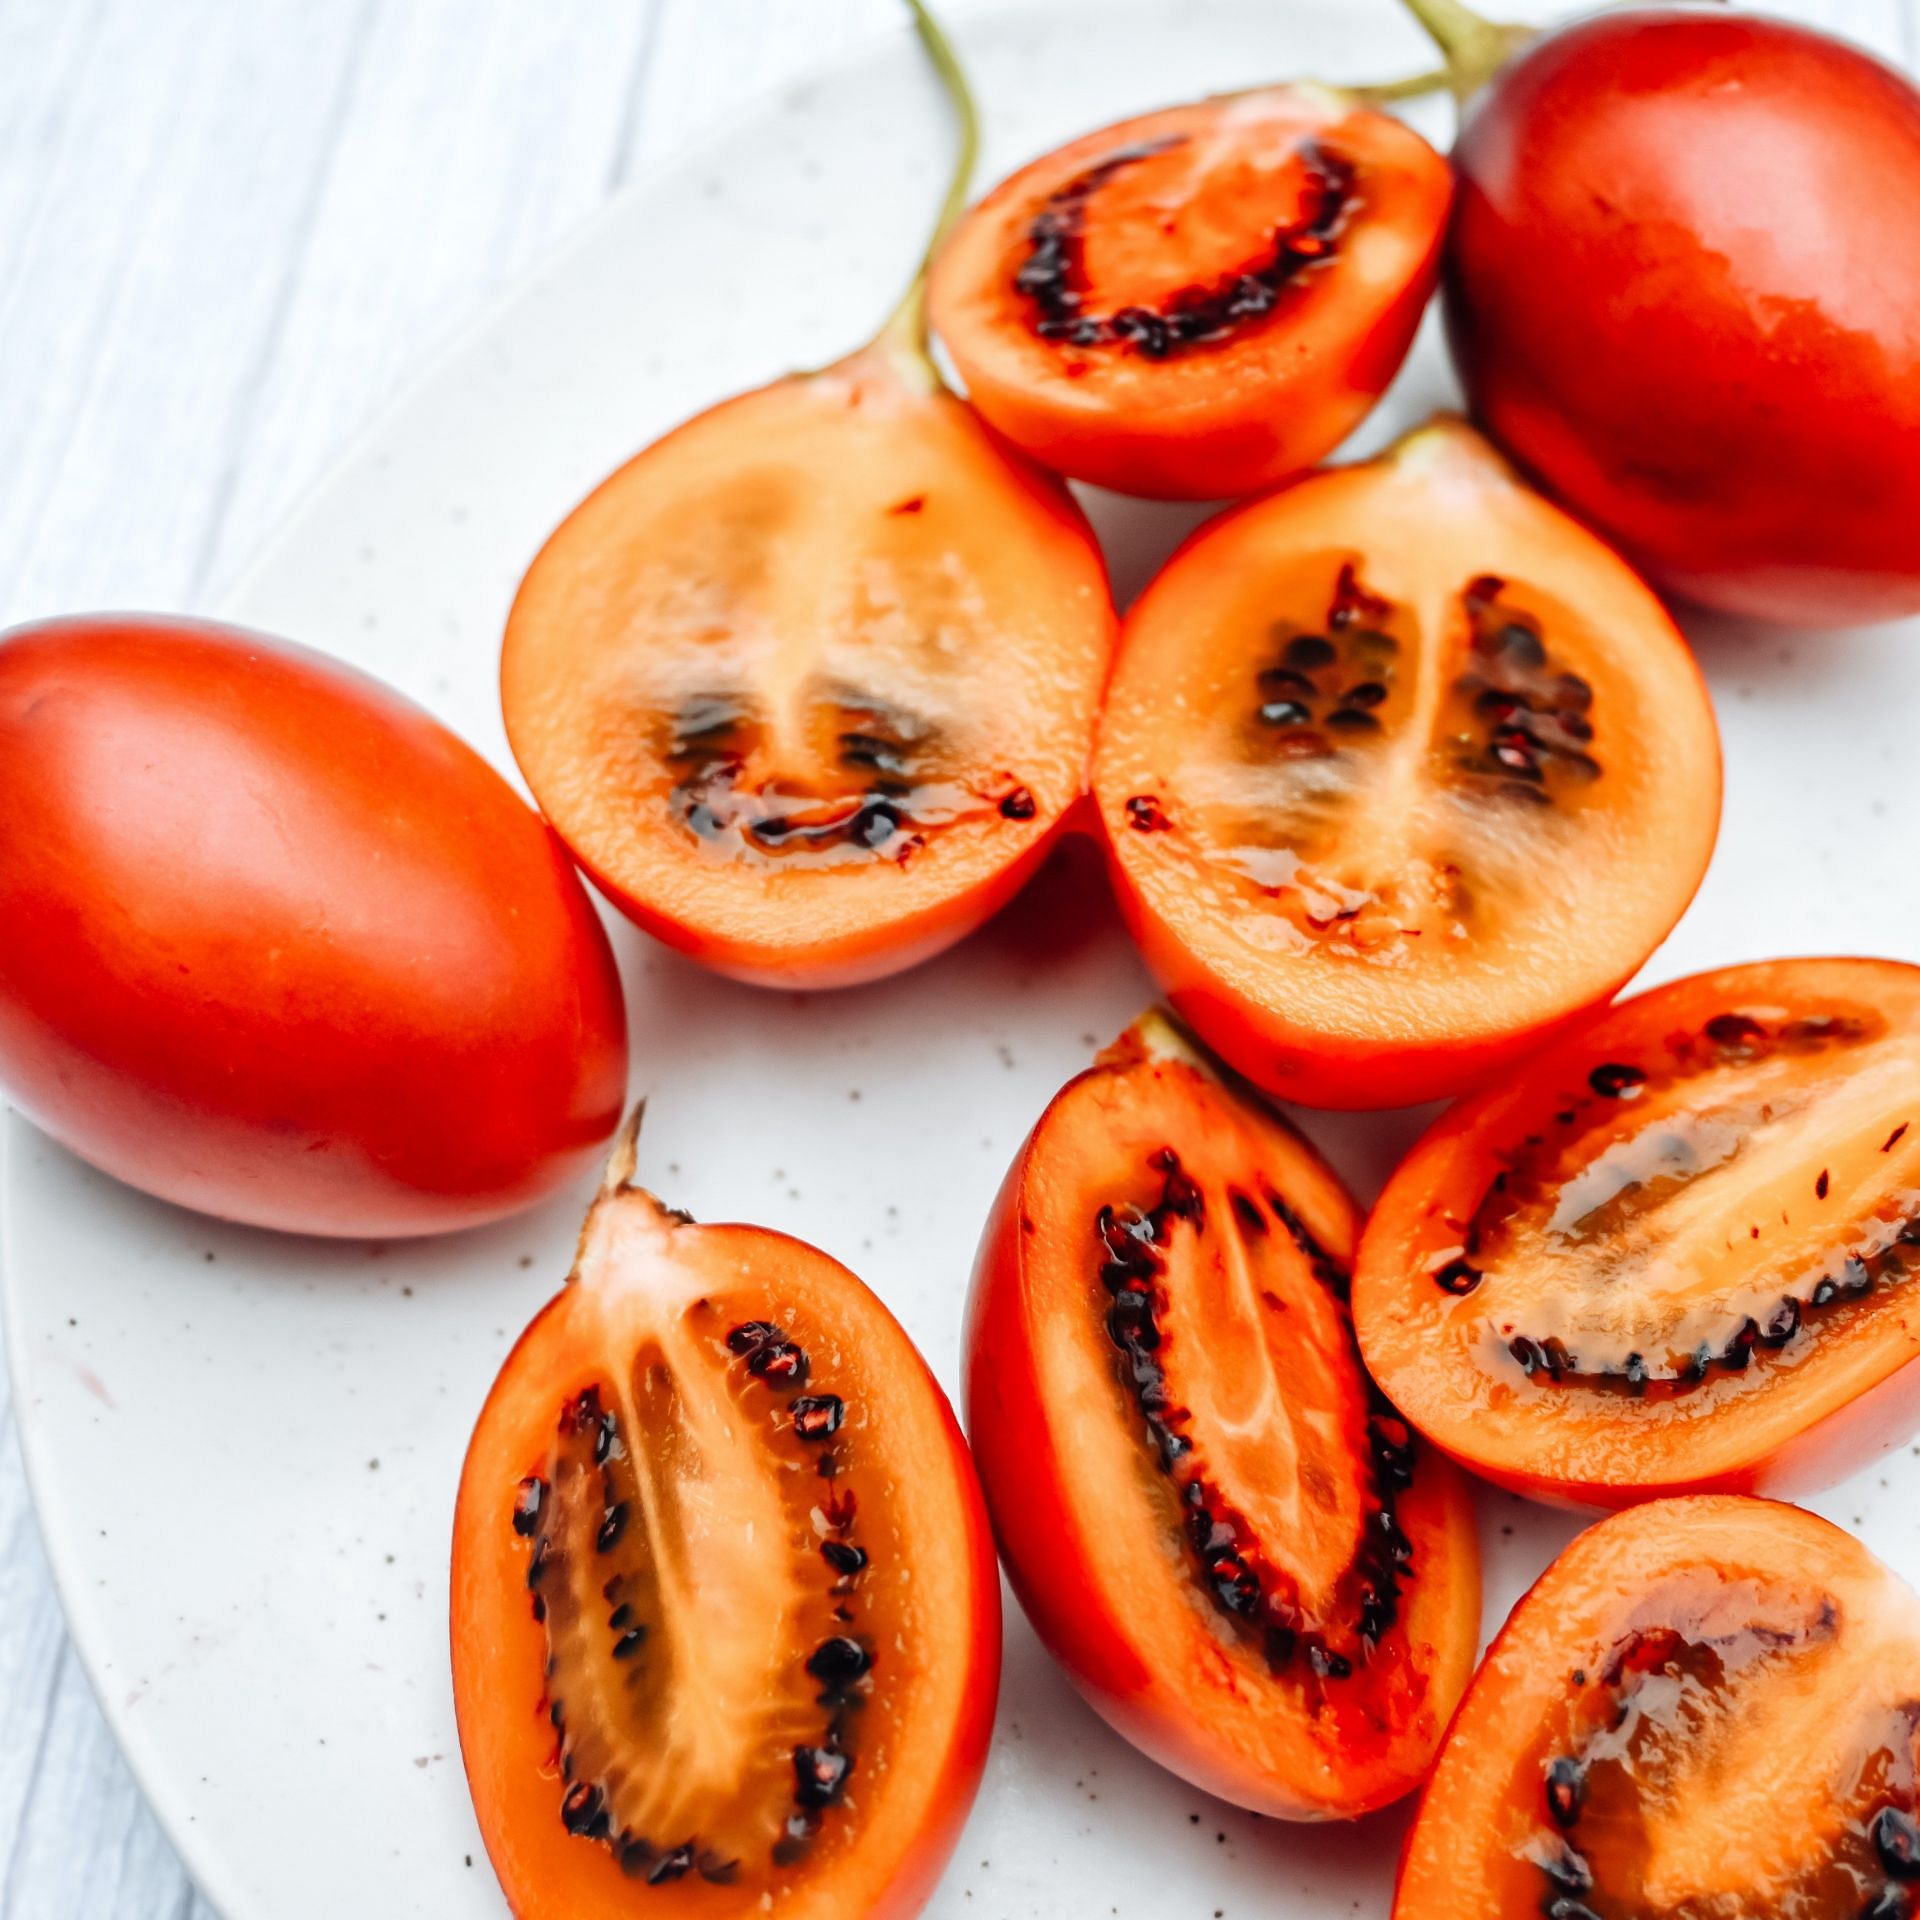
[(677, 1563), (1722, 1757), (1385, 773), (1703, 1203), (1234, 1351)]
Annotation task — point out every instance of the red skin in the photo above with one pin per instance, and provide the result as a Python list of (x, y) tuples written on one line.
[(281, 948), (1683, 286)]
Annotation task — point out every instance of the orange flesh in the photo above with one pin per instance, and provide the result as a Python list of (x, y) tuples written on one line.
[(1228, 1486), (1674, 1247), (1400, 769), (1200, 301), (808, 685), (1705, 1708), (725, 1619)]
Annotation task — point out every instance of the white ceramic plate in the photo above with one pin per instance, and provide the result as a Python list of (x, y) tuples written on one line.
[(244, 1448)]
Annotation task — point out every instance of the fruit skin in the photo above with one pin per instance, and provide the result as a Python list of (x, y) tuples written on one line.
[(1422, 517), (1223, 420), (1190, 1716), (632, 1251), (1683, 288), (280, 947), (1811, 1431), (895, 472), (1460, 1860)]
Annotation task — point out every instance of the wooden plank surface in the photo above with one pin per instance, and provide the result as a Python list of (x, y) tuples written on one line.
[(227, 231)]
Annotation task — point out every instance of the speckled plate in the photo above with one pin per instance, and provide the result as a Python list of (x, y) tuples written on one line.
[(244, 1448)]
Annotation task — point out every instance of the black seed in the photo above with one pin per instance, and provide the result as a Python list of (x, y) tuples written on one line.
[(583, 1805), (842, 1558), (1616, 1082), (1572, 691), (1278, 681), (754, 1333), (1521, 645), (1734, 1030), (1890, 1903), (1784, 1323), (537, 1566), (1530, 1357), (1566, 1791), (1018, 805), (1636, 1373), (671, 1866), (633, 1854), (609, 1432), (779, 1364), (1823, 1294), (1458, 1277), (620, 1617), (1284, 713), (817, 1416), (1896, 1839), (1353, 720), (875, 824), (629, 1643), (1821, 1185), (716, 1871), (1309, 652), (612, 1526), (819, 1775), (527, 1502), (1145, 816), (1369, 693), (1329, 1665), (1855, 1275), (839, 1662), (1569, 1871), (1570, 1909)]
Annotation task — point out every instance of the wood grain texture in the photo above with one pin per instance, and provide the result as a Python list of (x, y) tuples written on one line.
[(226, 233)]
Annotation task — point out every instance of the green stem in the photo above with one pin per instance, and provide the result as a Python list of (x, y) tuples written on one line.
[(1475, 47), (906, 327)]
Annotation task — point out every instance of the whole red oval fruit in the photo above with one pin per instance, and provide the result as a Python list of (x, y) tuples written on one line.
[(1683, 286), (278, 946)]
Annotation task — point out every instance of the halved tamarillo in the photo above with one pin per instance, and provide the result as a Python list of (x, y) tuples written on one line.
[(808, 687), (1679, 1252), (1401, 770), (1216, 1524), (1201, 301), (726, 1625), (1704, 1707)]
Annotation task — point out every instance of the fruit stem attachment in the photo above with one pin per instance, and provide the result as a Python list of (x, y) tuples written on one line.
[(906, 331), (1475, 47)]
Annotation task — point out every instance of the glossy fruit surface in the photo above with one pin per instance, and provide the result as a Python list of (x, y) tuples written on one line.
[(1703, 1707), (1683, 288), (279, 947), (809, 685), (1219, 1529), (726, 1627), (1201, 301), (1678, 1252), (1400, 770)]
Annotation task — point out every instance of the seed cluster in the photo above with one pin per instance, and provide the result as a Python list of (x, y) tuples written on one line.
[(1244, 1581), (1885, 1846), (1332, 683), (1518, 721), (1053, 277), (1727, 1039), (840, 1665), (891, 815)]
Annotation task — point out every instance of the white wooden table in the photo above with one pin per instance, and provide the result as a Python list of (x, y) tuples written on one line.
[(227, 229)]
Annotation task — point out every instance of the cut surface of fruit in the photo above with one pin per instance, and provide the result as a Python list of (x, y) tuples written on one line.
[(1201, 301), (809, 685), (1704, 1707), (1679, 1251), (1220, 1530), (1401, 770), (725, 1619)]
